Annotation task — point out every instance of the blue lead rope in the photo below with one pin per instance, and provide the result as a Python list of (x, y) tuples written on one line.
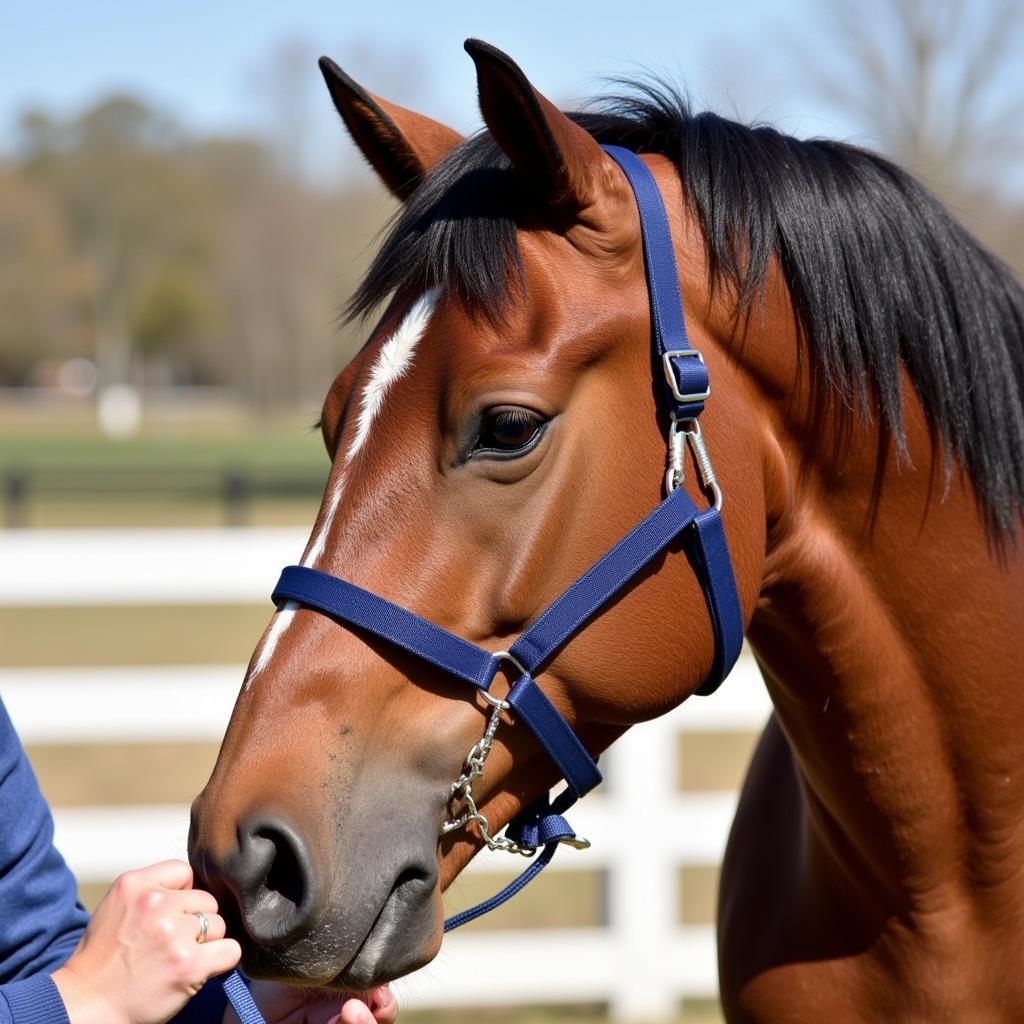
[(241, 1000), (542, 826)]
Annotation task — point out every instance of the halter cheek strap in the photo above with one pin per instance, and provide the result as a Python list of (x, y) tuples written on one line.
[(675, 521)]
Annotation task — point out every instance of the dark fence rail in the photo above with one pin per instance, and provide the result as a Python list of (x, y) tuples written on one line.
[(233, 487)]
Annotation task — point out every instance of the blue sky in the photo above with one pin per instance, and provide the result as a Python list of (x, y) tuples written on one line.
[(216, 65), (210, 63)]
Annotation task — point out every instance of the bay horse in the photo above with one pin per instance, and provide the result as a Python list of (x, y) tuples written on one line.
[(498, 432)]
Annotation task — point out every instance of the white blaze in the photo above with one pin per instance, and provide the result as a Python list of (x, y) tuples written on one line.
[(393, 360), (316, 548)]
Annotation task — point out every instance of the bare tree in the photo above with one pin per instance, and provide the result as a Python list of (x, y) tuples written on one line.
[(933, 79)]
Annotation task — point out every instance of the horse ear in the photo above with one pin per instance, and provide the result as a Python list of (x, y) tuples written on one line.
[(558, 157), (400, 145)]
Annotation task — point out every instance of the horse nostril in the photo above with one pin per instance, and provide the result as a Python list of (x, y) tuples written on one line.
[(273, 877), (286, 876)]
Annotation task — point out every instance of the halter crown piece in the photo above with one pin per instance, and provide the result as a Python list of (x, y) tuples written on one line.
[(541, 825)]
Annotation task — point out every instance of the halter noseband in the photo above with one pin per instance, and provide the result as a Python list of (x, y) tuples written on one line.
[(541, 825)]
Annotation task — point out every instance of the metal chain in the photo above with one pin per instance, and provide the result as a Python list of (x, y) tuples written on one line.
[(462, 788)]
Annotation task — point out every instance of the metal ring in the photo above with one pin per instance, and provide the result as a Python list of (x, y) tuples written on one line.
[(512, 660), (204, 926)]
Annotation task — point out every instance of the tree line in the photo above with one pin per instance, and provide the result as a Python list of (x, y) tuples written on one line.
[(165, 257)]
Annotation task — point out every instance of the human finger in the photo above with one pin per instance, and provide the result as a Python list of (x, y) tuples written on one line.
[(383, 1005), (215, 929), (183, 908), (218, 957), (168, 874), (192, 901), (353, 1011)]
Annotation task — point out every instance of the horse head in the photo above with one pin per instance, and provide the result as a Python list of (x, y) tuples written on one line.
[(496, 434)]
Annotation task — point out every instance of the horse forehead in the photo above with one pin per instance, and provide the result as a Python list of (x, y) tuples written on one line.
[(559, 280), (359, 390), (392, 361)]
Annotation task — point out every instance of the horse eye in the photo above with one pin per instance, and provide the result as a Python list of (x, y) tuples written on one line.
[(508, 431)]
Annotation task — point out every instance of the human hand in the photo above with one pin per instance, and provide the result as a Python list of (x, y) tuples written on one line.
[(289, 1004), (140, 961)]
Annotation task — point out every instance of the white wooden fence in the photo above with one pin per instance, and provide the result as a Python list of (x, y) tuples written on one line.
[(642, 828)]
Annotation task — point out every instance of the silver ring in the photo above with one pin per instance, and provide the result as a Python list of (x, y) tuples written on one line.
[(204, 926), (512, 660)]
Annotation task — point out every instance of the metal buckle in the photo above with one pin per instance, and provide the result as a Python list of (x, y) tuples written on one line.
[(670, 375)]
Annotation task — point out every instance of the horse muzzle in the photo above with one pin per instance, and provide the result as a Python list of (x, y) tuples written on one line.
[(367, 915)]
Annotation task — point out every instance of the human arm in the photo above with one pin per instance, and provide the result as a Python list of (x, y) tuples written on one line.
[(138, 961), (41, 920)]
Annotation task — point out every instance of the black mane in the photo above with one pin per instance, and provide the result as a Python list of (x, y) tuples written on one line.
[(880, 275)]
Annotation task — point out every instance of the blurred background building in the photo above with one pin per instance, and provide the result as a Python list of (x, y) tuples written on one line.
[(181, 221)]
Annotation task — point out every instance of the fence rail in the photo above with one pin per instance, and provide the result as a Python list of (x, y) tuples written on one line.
[(41, 567), (232, 487), (641, 963)]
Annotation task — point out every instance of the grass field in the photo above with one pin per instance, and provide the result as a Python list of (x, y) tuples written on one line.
[(38, 432), (172, 473)]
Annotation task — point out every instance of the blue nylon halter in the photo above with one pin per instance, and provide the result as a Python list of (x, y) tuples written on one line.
[(541, 825)]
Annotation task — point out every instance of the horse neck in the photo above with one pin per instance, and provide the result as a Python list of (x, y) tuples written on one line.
[(890, 631)]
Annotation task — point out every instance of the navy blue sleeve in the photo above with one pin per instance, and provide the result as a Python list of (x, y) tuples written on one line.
[(33, 1001), (41, 919), (37, 1001)]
